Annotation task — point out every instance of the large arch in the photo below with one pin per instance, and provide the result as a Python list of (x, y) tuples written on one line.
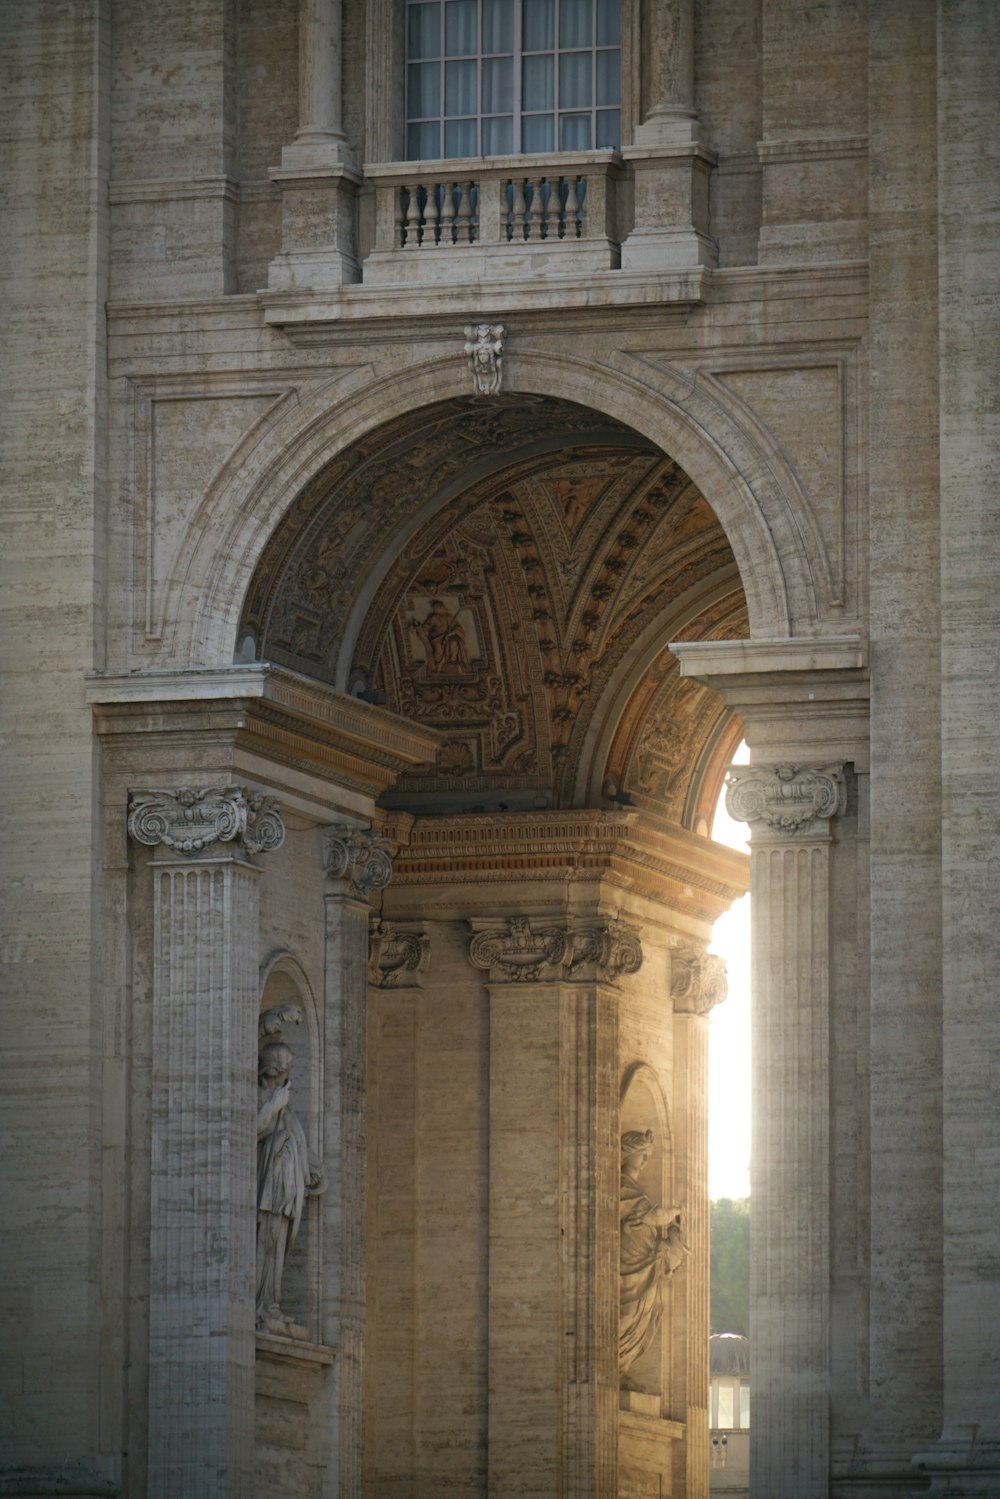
[(756, 498)]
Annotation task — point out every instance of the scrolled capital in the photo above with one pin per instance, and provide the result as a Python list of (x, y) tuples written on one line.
[(359, 857), (610, 947), (191, 821), (698, 980), (517, 952), (789, 800)]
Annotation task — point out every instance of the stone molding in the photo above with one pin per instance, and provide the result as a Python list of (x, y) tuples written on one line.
[(190, 821), (698, 980), (359, 857), (790, 800), (515, 951), (398, 954)]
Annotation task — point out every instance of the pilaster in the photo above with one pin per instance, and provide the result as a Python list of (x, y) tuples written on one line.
[(205, 980), (789, 809), (357, 865)]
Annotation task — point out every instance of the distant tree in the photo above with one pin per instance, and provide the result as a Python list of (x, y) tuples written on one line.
[(731, 1265)]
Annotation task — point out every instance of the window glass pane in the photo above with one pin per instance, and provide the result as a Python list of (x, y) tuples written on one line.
[(609, 78), (745, 1405), (726, 1405), (537, 133), (498, 136), (460, 88), (423, 142), (538, 83), (424, 33), (425, 89), (460, 138), (460, 39), (609, 129), (498, 25), (498, 85), (608, 23), (574, 132), (575, 80), (575, 23), (537, 25)]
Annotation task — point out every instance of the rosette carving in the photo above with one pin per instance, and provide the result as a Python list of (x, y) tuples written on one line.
[(397, 954), (788, 799), (189, 820), (359, 857), (698, 980), (611, 948), (517, 951)]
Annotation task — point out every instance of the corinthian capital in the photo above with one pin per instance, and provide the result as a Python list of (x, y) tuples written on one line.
[(787, 799), (190, 821), (359, 857), (698, 980)]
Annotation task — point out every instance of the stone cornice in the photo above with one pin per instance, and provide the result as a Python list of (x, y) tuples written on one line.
[(270, 712), (659, 860), (190, 821)]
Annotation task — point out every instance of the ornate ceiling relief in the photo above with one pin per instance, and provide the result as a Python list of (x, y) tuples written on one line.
[(553, 542)]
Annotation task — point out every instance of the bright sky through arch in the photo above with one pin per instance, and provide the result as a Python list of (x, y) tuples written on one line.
[(729, 1035)]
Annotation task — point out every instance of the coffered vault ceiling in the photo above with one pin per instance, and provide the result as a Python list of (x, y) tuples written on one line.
[(509, 573)]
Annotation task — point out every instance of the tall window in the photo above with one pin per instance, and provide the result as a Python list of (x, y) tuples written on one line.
[(489, 77)]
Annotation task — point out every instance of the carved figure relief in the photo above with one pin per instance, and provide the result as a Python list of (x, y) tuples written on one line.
[(443, 637), (286, 1170), (484, 352), (652, 1249)]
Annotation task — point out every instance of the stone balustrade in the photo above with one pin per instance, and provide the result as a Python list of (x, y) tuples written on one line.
[(473, 212)]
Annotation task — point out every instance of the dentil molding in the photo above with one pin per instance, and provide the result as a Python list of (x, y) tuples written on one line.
[(191, 821), (790, 800)]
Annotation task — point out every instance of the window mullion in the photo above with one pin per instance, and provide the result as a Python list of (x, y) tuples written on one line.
[(517, 65)]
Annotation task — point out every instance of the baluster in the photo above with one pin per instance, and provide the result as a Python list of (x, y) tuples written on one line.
[(519, 227), (573, 213), (400, 197), (432, 215), (544, 201), (463, 216), (413, 218)]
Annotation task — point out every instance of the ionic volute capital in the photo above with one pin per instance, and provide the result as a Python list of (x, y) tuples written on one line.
[(359, 858), (790, 801), (194, 821), (698, 980), (514, 951), (607, 948), (398, 954)]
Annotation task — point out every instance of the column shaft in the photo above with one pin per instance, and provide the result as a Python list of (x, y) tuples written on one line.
[(691, 1183), (201, 1305), (319, 70)]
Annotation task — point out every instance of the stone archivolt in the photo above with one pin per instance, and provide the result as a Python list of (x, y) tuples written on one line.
[(190, 821)]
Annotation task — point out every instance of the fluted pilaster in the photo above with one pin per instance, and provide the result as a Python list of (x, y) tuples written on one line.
[(205, 1000), (789, 809)]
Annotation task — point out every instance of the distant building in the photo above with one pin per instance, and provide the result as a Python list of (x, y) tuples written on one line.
[(729, 1414)]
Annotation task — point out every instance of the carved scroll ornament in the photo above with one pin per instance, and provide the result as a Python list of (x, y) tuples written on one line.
[(359, 857), (788, 799), (518, 953), (190, 821), (698, 980), (397, 955), (612, 947)]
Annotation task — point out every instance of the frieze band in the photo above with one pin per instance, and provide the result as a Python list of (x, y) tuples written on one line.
[(788, 799), (190, 821)]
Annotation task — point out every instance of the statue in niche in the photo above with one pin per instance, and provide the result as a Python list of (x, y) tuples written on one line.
[(286, 1171), (652, 1248)]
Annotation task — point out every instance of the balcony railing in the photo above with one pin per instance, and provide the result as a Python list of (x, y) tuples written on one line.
[(487, 217)]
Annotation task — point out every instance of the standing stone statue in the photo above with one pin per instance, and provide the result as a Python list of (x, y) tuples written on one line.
[(652, 1248), (286, 1171)]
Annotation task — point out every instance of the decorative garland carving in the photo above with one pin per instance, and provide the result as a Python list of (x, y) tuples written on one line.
[(516, 951), (398, 954), (359, 857), (189, 820), (788, 799), (698, 980)]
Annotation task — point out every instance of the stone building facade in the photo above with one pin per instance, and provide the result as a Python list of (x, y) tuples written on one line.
[(396, 551)]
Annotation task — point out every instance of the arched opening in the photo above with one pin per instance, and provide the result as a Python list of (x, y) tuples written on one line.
[(509, 574)]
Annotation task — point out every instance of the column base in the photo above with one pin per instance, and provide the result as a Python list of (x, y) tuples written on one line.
[(668, 249), (317, 228), (962, 1465)]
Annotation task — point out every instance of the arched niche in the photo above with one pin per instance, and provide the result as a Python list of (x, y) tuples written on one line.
[(285, 994)]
